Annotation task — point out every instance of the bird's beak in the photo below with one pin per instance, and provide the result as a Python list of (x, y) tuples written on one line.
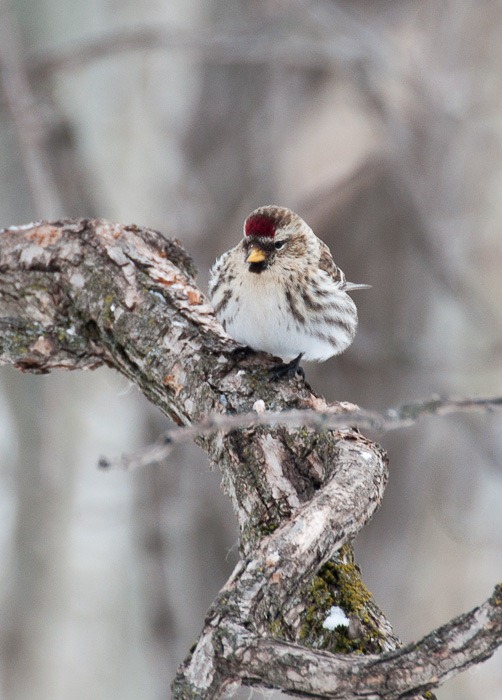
[(256, 255)]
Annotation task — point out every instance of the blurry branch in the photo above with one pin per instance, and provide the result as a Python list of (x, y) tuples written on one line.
[(328, 37), (28, 116), (81, 293), (257, 46), (338, 417)]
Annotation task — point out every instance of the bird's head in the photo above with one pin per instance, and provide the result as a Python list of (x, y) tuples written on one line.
[(274, 234)]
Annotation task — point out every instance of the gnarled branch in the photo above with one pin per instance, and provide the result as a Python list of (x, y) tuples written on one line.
[(464, 641), (77, 294)]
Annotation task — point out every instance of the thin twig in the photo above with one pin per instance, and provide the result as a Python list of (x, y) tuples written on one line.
[(337, 418)]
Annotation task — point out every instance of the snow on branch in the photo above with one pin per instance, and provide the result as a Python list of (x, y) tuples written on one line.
[(417, 667), (264, 587)]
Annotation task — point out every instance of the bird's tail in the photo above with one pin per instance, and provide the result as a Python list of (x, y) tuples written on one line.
[(349, 286)]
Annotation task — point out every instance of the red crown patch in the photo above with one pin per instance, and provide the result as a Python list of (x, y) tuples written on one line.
[(260, 225)]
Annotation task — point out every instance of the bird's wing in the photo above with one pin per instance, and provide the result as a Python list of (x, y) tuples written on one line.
[(327, 264), (215, 273)]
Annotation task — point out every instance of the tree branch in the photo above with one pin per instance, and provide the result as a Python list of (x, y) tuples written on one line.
[(263, 592), (77, 294), (417, 667), (249, 45), (340, 416), (28, 116)]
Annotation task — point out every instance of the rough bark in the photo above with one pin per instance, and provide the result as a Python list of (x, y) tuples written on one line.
[(77, 294), (81, 294), (466, 640)]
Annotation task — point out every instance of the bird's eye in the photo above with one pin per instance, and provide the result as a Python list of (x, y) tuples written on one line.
[(279, 244)]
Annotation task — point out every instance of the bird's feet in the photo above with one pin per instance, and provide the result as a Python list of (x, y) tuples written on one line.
[(241, 352), (288, 369)]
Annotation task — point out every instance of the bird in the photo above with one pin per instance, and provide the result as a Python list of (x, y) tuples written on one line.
[(279, 291)]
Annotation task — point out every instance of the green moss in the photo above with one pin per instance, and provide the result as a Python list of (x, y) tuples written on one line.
[(107, 308), (18, 344), (354, 595), (277, 629), (338, 583), (268, 528)]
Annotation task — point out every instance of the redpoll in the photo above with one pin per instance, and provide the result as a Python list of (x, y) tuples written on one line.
[(279, 290)]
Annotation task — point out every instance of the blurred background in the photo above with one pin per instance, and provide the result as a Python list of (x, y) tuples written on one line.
[(378, 122)]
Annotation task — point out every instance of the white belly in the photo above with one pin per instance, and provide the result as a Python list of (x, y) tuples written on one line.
[(261, 318)]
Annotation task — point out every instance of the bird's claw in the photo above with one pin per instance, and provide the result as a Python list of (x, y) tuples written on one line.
[(288, 369), (242, 351)]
